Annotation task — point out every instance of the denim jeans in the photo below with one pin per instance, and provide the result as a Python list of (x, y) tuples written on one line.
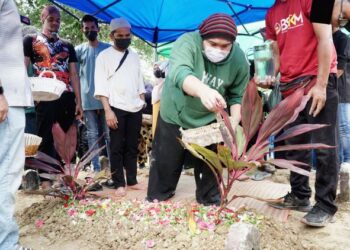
[(11, 168), (96, 125), (344, 131)]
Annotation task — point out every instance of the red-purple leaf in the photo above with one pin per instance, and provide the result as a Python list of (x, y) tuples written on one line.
[(36, 164), (251, 111), (308, 146), (282, 114), (289, 165), (298, 130), (71, 143), (46, 158)]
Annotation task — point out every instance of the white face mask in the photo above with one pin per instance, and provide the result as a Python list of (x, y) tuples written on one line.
[(215, 55)]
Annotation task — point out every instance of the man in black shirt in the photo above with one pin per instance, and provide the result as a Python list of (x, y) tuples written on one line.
[(47, 51), (335, 12)]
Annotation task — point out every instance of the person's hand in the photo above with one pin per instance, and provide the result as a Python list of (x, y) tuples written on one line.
[(78, 112), (111, 119), (318, 93), (269, 81), (4, 108), (211, 99)]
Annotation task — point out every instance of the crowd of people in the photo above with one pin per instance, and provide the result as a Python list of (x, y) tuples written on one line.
[(207, 71)]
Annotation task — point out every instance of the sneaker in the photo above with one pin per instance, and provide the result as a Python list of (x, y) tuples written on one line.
[(290, 201), (317, 217)]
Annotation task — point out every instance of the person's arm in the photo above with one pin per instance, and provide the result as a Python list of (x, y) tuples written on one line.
[(74, 77), (323, 34), (111, 118), (235, 113), (27, 49), (210, 98), (183, 77), (4, 107)]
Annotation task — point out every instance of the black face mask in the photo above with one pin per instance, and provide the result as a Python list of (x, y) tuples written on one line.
[(91, 35), (158, 73), (122, 44)]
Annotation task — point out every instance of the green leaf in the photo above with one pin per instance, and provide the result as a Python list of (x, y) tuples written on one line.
[(225, 156), (209, 155)]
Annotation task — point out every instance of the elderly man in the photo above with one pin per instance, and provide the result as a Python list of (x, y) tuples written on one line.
[(207, 71), (120, 87), (15, 94)]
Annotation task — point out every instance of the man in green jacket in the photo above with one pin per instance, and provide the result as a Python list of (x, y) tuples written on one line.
[(207, 71)]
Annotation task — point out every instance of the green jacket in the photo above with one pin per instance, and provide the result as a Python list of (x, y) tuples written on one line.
[(229, 77)]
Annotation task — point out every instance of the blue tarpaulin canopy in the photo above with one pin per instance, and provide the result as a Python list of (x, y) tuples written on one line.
[(160, 21)]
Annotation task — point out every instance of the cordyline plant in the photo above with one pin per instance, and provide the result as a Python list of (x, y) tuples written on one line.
[(236, 158), (65, 172)]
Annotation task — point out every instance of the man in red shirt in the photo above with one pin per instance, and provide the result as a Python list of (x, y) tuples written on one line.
[(306, 58)]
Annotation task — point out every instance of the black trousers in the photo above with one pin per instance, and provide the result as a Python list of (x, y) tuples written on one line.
[(169, 159), (327, 159), (124, 142), (48, 113)]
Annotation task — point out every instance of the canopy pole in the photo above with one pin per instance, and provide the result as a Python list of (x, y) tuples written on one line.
[(235, 14), (65, 10), (156, 53)]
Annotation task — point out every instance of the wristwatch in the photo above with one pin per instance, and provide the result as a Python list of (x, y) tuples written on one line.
[(1, 90)]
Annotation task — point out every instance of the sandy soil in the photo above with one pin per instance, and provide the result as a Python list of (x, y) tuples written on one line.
[(105, 232)]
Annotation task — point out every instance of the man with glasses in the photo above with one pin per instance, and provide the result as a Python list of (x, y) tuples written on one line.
[(306, 58), (120, 87)]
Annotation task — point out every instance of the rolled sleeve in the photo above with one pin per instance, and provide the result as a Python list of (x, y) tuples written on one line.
[(101, 82)]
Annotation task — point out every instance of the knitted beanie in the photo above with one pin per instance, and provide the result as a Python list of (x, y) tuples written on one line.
[(219, 25)]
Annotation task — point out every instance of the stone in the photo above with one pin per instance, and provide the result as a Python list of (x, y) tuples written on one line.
[(243, 236)]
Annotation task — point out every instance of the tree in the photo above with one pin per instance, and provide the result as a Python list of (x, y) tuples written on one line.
[(71, 27)]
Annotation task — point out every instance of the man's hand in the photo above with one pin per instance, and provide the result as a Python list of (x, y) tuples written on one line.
[(269, 81), (318, 94), (111, 119), (78, 112), (4, 108), (211, 99)]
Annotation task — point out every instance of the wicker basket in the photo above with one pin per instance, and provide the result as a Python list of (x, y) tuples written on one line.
[(31, 143), (203, 136), (46, 89)]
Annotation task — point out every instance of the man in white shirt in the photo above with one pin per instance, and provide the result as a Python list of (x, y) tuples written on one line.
[(15, 94), (120, 87)]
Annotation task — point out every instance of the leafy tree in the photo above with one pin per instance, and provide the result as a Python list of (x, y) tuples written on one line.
[(71, 27)]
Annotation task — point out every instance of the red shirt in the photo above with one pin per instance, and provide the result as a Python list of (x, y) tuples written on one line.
[(288, 23)]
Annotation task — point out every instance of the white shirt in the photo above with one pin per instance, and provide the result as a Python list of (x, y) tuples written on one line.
[(124, 87), (13, 74)]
